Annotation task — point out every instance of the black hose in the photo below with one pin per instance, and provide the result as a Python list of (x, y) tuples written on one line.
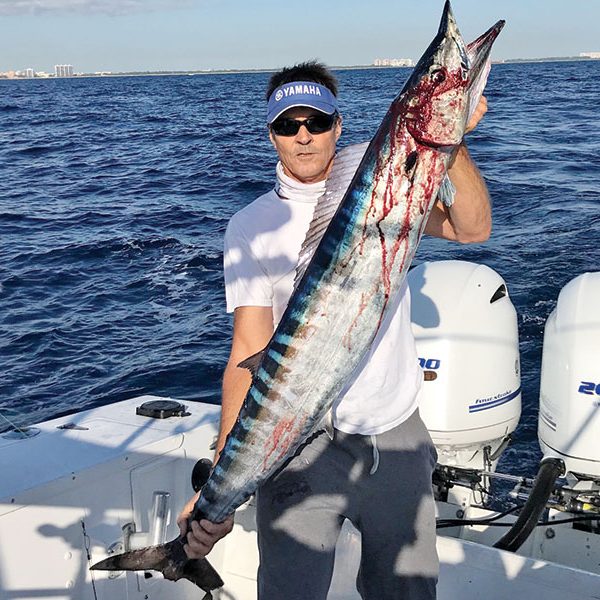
[(442, 523), (550, 469)]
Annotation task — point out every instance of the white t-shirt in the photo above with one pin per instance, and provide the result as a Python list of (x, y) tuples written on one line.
[(262, 245)]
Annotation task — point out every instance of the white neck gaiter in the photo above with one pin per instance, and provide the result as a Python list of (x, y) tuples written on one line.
[(290, 189)]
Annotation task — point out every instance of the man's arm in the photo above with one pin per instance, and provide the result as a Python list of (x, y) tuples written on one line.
[(469, 219), (252, 330)]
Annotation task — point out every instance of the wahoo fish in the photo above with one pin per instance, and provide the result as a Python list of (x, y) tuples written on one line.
[(364, 234)]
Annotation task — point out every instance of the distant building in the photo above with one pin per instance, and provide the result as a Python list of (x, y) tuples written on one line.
[(393, 62), (589, 54), (63, 70), (25, 74)]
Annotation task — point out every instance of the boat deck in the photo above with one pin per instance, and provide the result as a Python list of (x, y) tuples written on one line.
[(66, 494)]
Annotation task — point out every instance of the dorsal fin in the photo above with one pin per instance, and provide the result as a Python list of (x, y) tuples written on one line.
[(252, 362), (344, 167)]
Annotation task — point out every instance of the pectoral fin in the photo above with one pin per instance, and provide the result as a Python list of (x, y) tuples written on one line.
[(252, 363), (327, 424)]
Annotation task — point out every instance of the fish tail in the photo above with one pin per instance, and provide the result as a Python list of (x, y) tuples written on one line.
[(201, 573), (171, 560)]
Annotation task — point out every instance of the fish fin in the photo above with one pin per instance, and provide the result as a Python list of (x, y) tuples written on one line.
[(447, 191), (201, 473), (252, 362), (170, 559), (200, 572), (327, 424), (345, 164)]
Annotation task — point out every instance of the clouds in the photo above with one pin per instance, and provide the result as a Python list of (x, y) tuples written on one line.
[(83, 7)]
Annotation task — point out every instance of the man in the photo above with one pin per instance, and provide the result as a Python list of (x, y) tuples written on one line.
[(376, 470)]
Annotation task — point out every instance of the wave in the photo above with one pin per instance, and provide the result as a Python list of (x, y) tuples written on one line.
[(113, 205)]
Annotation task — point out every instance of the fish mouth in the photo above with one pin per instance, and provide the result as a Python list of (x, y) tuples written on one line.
[(474, 58), (478, 52), (450, 78), (440, 147), (448, 40)]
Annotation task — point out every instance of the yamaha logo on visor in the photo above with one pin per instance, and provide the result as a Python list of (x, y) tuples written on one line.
[(301, 93)]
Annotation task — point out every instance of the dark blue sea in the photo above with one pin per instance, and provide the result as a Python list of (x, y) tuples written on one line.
[(115, 194)]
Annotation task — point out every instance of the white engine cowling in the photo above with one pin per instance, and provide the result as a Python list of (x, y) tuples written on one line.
[(466, 332), (569, 417)]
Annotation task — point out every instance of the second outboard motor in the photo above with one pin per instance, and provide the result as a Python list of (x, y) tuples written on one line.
[(569, 417), (465, 327)]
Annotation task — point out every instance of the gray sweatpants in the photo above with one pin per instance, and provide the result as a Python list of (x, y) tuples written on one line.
[(383, 485)]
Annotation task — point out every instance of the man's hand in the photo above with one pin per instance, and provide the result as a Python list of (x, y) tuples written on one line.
[(204, 534), (469, 220), (480, 110)]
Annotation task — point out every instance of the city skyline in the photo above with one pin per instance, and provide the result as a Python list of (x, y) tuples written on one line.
[(59, 72), (155, 35)]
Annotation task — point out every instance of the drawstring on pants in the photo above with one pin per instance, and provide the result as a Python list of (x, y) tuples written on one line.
[(375, 455)]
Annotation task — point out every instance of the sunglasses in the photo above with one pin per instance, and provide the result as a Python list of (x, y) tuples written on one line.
[(315, 124)]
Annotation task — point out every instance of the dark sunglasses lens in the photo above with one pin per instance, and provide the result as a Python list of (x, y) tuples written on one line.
[(285, 127), (320, 123), (316, 124)]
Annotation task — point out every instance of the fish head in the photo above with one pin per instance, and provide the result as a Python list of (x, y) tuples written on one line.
[(435, 99)]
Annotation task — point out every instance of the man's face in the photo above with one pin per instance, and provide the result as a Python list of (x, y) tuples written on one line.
[(306, 157)]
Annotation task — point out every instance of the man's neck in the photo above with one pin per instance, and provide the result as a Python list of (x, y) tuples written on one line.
[(293, 189)]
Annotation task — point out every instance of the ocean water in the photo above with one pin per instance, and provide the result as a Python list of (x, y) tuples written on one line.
[(115, 194)]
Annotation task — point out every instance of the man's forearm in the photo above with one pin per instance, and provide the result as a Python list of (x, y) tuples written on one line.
[(236, 382), (252, 330), (471, 214)]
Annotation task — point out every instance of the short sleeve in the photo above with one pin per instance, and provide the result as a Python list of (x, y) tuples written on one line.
[(246, 281)]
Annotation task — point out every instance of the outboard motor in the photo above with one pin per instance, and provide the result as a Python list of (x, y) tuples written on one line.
[(569, 417), (465, 327)]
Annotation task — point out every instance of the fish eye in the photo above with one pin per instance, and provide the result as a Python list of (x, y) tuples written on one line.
[(438, 76)]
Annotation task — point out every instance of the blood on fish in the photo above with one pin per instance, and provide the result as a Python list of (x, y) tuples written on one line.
[(281, 439), (364, 301)]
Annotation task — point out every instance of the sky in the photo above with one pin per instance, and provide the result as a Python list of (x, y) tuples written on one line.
[(147, 35)]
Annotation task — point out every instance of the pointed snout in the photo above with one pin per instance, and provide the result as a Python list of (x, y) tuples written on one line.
[(479, 49), (448, 22)]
